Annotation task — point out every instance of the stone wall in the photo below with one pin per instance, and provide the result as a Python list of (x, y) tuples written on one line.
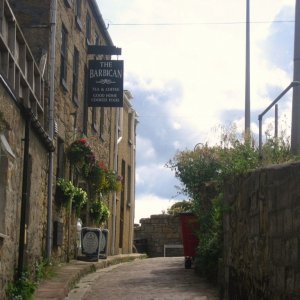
[(261, 234), (11, 193), (159, 230)]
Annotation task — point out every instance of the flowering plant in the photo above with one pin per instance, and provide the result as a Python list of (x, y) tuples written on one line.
[(113, 182), (80, 152), (100, 178)]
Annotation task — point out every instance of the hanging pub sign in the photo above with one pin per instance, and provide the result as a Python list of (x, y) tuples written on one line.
[(105, 83)]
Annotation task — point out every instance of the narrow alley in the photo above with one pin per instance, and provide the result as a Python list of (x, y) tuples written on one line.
[(152, 278)]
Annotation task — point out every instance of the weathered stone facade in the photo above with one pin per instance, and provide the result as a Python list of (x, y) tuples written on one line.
[(22, 117), (261, 234), (157, 231), (24, 95), (125, 203)]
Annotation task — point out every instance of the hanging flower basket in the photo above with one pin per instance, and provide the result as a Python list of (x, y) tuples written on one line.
[(113, 182), (96, 175), (64, 192), (79, 199), (79, 152)]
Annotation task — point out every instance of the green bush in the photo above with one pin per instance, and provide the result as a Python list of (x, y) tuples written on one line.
[(202, 174)]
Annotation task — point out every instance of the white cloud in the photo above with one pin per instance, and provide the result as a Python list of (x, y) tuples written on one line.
[(208, 60), (152, 175), (150, 204), (146, 148), (192, 75)]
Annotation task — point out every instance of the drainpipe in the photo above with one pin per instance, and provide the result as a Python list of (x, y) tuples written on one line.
[(24, 202), (53, 10)]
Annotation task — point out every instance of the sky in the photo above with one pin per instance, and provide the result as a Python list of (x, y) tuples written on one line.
[(184, 63)]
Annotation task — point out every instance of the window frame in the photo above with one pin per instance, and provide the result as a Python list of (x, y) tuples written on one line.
[(130, 117), (88, 28), (76, 61), (64, 57), (78, 11), (68, 3), (94, 118), (102, 123), (60, 163)]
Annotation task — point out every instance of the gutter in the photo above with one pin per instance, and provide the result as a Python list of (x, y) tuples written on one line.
[(101, 22)]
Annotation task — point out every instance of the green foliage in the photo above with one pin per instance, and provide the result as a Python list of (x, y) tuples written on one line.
[(24, 287), (65, 191), (180, 207), (238, 159), (276, 150), (99, 211), (21, 289), (96, 174), (43, 269), (79, 199), (202, 174), (210, 233), (195, 168)]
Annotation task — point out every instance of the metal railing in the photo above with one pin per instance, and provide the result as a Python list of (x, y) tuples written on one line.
[(260, 116)]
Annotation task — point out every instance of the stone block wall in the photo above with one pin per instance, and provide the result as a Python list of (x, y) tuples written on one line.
[(11, 194), (159, 230), (261, 234)]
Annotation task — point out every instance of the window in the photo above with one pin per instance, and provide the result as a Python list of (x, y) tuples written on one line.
[(68, 3), (60, 169), (102, 123), (97, 39), (78, 14), (88, 29), (94, 118), (78, 8), (120, 121), (63, 57), (128, 185), (75, 76), (130, 128)]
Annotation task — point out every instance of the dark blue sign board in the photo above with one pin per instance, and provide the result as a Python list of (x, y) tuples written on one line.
[(105, 83)]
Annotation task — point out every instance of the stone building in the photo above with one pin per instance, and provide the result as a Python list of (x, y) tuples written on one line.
[(43, 109), (126, 144)]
